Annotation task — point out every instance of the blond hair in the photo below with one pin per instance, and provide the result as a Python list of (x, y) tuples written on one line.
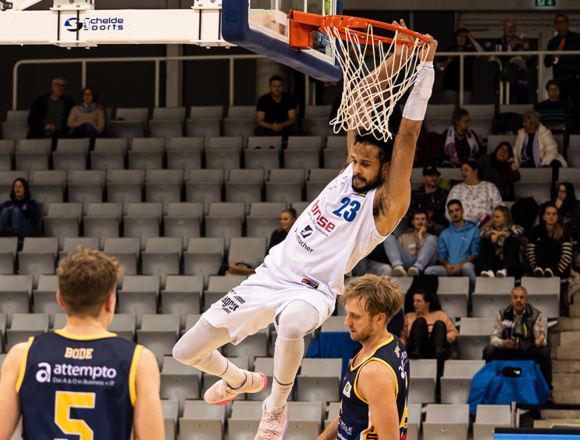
[(381, 294), (85, 281)]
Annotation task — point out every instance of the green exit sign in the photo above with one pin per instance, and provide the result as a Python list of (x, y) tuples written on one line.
[(545, 3)]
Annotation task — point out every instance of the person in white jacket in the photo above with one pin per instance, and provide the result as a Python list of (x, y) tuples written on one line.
[(535, 146)]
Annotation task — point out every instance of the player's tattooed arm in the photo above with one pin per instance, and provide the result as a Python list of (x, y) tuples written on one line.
[(9, 400)]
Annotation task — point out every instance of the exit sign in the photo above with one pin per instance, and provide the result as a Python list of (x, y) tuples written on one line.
[(545, 3)]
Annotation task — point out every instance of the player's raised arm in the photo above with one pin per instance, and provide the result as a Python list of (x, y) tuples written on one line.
[(9, 401), (392, 198)]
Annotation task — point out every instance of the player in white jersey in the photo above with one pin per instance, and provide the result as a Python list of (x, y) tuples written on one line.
[(297, 285)]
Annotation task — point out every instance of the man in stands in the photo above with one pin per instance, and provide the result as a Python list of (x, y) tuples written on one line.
[(519, 334), (566, 67), (556, 114), (82, 382), (431, 198), (276, 112), (412, 252), (49, 113), (458, 247)]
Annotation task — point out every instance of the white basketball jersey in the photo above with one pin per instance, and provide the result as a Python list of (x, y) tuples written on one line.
[(329, 238)]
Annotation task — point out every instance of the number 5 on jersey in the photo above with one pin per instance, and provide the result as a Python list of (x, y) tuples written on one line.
[(64, 402), (350, 214)]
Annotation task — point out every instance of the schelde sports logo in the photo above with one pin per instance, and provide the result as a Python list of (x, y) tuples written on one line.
[(95, 24)]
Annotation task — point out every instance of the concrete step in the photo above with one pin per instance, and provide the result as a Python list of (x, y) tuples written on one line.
[(570, 338), (549, 422), (567, 325), (566, 381), (575, 311), (568, 352), (560, 414), (566, 367), (571, 396)]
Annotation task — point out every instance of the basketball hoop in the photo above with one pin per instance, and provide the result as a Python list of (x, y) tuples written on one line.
[(369, 96)]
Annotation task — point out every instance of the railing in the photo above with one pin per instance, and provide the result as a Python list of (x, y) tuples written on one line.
[(157, 60)]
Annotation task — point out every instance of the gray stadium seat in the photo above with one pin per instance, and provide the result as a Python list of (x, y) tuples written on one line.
[(170, 415), (264, 218), (305, 143), (86, 187), (450, 422), (245, 186), (183, 220), (253, 346), (225, 158), (8, 248), (474, 335), (317, 111), (574, 158), (218, 287), (570, 175), (316, 126), (126, 250), (109, 154), (337, 142), (2, 337), (305, 421), (163, 186), (202, 112), (520, 109), (319, 380), (102, 221), (333, 409), (166, 128), (285, 185), (125, 186), (535, 182), (186, 143), (179, 382), (494, 140), (225, 220), (452, 293), (123, 325), (190, 322), (544, 294), (132, 114), (240, 127), (45, 297), (300, 207), (244, 420), (334, 158), (146, 153), (139, 295), (71, 154), (456, 380), (414, 419), (205, 186), (25, 325), (489, 417), (165, 113), (159, 333), (33, 154), (38, 257), (162, 256), (221, 142), (242, 111), (186, 159), (265, 143), (15, 130), (15, 292), (422, 378), (59, 320), (451, 174), (204, 257), (48, 186), (143, 221), (63, 220), (491, 295), (71, 243), (318, 179), (201, 421), (334, 324), (301, 158), (17, 115), (7, 147), (182, 296), (203, 127), (265, 159)]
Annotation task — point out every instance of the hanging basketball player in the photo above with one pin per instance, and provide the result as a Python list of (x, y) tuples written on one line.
[(297, 285)]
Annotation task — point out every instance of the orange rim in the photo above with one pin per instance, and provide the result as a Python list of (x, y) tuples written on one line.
[(302, 24)]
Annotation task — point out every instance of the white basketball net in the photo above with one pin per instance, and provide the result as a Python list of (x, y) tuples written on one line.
[(367, 100)]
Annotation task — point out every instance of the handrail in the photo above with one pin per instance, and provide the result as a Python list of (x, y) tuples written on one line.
[(232, 58)]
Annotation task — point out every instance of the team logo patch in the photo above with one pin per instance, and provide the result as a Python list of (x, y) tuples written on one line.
[(306, 232), (398, 350), (347, 389), (310, 283)]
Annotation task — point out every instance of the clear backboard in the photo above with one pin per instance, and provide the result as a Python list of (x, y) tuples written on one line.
[(262, 27)]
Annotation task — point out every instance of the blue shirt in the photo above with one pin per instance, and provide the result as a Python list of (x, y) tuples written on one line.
[(457, 245)]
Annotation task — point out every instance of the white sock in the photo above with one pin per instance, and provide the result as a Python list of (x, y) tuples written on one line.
[(287, 358)]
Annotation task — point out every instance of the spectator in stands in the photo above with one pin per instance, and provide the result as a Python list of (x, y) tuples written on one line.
[(499, 248), (478, 197), (535, 146), (510, 42), (87, 120), (287, 219), (462, 42), (519, 334), (555, 113), (458, 247), (412, 252), (431, 199), (460, 143), (549, 249), (276, 112), (49, 113), (566, 67), (568, 207), (500, 168), (18, 215), (428, 332)]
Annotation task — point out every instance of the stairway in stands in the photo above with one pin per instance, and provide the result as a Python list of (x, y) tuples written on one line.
[(565, 337)]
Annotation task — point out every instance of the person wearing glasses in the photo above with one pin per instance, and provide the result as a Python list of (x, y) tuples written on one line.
[(460, 143), (87, 120), (49, 113), (567, 67)]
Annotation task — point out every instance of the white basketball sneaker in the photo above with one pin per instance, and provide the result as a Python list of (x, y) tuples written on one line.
[(220, 392), (273, 424)]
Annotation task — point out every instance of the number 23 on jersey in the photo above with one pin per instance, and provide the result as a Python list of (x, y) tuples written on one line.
[(348, 210)]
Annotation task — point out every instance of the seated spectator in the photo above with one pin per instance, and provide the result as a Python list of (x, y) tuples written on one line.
[(49, 113), (458, 247), (428, 332), (510, 42), (413, 251), (535, 146), (477, 197), (460, 143), (375, 263), (87, 120), (276, 112), (519, 334), (463, 41), (499, 248), (431, 199), (18, 215), (500, 168), (568, 207), (549, 249), (287, 219), (555, 113)]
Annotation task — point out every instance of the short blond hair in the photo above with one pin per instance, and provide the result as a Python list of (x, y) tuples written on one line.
[(381, 294), (85, 281)]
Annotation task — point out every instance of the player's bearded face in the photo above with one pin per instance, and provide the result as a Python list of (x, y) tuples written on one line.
[(362, 184)]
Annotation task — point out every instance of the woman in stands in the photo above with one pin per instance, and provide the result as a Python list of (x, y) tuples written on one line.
[(549, 249), (499, 248), (500, 168), (87, 120), (460, 143), (463, 42), (287, 219), (428, 332), (18, 215), (568, 207)]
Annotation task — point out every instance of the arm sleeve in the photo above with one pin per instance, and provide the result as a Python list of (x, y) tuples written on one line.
[(497, 333), (566, 257), (474, 248), (531, 249), (261, 107)]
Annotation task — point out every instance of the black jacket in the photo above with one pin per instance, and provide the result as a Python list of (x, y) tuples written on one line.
[(523, 342), (40, 107)]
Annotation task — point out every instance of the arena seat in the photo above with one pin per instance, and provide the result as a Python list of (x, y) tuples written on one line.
[(190, 322), (306, 420), (452, 293), (225, 158), (25, 325), (334, 324), (456, 379), (166, 128), (494, 140), (70, 245), (204, 257), (316, 126), (63, 220), (250, 250), (240, 127), (334, 157), (205, 186), (132, 114), (17, 115), (183, 220), (159, 333), (544, 294), (414, 419), (179, 382), (33, 154), (491, 295), (162, 256), (38, 256), (71, 154), (102, 221), (245, 186), (338, 143), (125, 186), (201, 421), (489, 417), (265, 159), (300, 207), (44, 297), (474, 336), (139, 296), (422, 379), (265, 365), (86, 186), (2, 337), (7, 147), (451, 173), (242, 111), (252, 346), (15, 293), (123, 325), (206, 127), (332, 411), (285, 185), (264, 218), (163, 186), (48, 186), (186, 143), (170, 410), (109, 154), (318, 179), (182, 296), (245, 419), (186, 159), (146, 153), (8, 249), (520, 109), (481, 116), (317, 111), (571, 175), (265, 142), (438, 117), (15, 130), (59, 320), (225, 220), (221, 142), (573, 158), (305, 143), (301, 158), (165, 113), (127, 250), (535, 182), (319, 380), (203, 112), (143, 221), (446, 421)]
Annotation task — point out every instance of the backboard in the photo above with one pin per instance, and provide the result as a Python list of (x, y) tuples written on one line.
[(262, 27)]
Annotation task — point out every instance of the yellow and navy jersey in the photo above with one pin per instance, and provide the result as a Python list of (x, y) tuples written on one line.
[(78, 387), (356, 420)]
